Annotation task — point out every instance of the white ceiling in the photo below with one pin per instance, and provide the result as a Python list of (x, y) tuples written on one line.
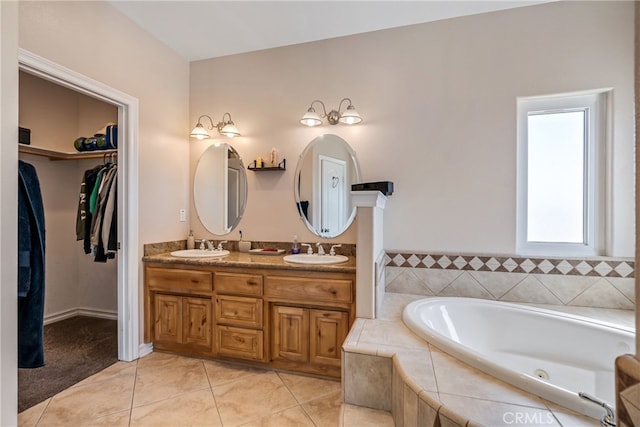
[(207, 29)]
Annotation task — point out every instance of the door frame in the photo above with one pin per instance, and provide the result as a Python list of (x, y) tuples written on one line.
[(128, 251)]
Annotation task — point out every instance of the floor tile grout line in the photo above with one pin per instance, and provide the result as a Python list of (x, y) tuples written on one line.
[(43, 411), (213, 395), (133, 392), (315, 397), (301, 404), (135, 389)]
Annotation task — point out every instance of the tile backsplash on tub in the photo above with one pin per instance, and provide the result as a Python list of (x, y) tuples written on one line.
[(606, 283)]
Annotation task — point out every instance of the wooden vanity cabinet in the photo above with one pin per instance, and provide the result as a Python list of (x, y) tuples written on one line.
[(182, 320), (289, 319), (310, 319), (178, 309), (239, 315)]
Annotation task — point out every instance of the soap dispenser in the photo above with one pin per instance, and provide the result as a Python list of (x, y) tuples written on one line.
[(295, 248), (191, 241)]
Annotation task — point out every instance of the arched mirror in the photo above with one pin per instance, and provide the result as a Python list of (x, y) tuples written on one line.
[(220, 189), (326, 169)]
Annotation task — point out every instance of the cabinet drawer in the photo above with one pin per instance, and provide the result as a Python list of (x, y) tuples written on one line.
[(239, 311), (177, 279), (240, 343), (309, 289), (237, 283)]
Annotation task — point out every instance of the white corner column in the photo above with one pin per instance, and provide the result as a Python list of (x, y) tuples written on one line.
[(370, 252)]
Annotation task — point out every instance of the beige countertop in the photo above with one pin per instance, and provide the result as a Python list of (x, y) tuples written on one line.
[(242, 259)]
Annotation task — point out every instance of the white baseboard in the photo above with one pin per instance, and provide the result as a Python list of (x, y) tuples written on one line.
[(144, 349), (80, 311)]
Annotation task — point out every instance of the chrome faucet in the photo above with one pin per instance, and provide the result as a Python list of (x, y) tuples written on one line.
[(309, 248), (206, 244), (320, 249), (219, 248), (332, 252), (609, 420)]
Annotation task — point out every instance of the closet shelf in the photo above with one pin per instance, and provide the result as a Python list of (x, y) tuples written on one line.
[(61, 155)]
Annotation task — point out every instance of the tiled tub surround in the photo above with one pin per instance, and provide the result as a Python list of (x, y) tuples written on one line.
[(386, 366), (602, 282)]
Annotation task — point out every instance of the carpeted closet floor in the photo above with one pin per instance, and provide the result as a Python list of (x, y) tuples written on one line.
[(74, 349)]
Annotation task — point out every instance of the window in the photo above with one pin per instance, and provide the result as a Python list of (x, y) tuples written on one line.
[(561, 158)]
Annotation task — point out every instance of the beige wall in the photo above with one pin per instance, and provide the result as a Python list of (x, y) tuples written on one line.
[(92, 38), (439, 108), (95, 40)]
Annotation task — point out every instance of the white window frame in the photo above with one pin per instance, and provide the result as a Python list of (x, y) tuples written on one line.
[(595, 104)]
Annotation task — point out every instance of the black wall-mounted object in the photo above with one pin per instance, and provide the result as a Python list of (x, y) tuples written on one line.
[(24, 136), (385, 187)]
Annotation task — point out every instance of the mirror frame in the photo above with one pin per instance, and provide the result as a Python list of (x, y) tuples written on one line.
[(243, 189), (296, 184)]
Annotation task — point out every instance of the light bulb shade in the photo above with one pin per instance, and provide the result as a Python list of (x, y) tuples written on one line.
[(199, 132), (311, 118), (230, 130), (350, 116)]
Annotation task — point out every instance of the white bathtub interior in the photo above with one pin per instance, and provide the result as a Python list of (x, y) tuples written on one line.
[(552, 354)]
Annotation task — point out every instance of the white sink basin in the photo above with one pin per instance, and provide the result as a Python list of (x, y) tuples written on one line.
[(315, 259), (199, 253)]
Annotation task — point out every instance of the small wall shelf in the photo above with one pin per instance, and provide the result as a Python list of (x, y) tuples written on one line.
[(61, 155), (280, 167)]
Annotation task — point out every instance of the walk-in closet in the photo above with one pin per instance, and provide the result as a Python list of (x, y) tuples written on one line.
[(80, 288)]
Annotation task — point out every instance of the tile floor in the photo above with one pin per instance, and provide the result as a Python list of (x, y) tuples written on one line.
[(167, 390)]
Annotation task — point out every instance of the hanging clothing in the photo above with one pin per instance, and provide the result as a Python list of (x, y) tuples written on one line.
[(100, 220), (96, 221), (108, 225), (31, 268), (88, 180)]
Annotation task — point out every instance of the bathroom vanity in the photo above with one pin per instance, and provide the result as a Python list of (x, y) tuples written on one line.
[(250, 308)]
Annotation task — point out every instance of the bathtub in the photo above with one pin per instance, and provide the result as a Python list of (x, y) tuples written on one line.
[(550, 354)]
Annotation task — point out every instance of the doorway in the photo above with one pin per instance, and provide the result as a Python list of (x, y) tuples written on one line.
[(333, 194), (128, 251)]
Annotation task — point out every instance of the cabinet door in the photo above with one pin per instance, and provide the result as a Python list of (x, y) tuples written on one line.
[(197, 321), (168, 318), (328, 331), (290, 333)]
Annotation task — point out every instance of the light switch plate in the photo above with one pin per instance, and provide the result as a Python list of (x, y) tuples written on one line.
[(183, 215)]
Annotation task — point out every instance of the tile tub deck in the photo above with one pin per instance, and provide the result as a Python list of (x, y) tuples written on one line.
[(387, 367)]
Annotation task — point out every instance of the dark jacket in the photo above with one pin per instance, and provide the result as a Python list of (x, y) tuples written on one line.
[(31, 268)]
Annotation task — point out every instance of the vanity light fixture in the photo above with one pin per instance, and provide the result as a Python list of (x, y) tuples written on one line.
[(349, 117), (225, 127)]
